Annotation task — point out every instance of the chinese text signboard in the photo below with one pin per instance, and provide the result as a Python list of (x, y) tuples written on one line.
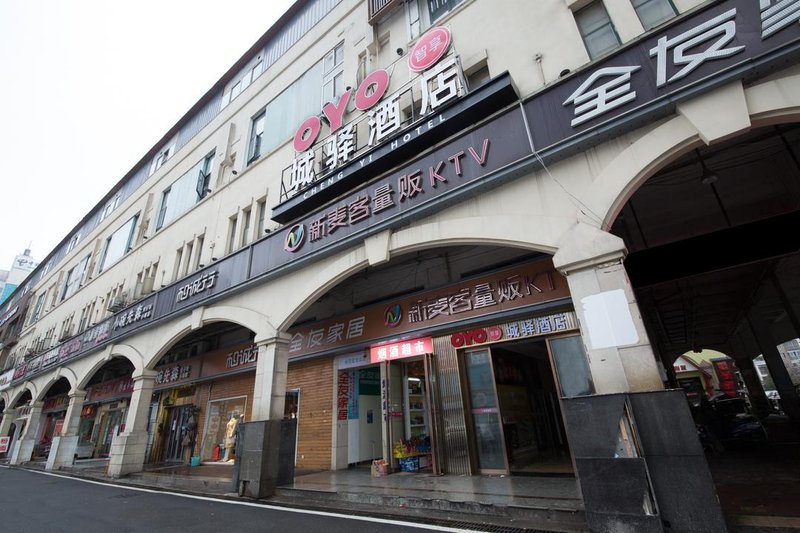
[(696, 49), (114, 388), (400, 350), (516, 287), (208, 365)]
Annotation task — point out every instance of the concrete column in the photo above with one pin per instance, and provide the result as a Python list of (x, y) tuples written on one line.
[(9, 415), (758, 399), (129, 447), (775, 364), (618, 349), (269, 396), (23, 449), (62, 451)]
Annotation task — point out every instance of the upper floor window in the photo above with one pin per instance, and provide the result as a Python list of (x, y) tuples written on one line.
[(185, 192), (424, 13), (38, 307), (596, 29), (109, 207), (119, 243), (75, 278), (333, 74), (73, 242), (162, 157), (653, 12), (281, 117)]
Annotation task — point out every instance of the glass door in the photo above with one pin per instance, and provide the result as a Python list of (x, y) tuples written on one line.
[(486, 420)]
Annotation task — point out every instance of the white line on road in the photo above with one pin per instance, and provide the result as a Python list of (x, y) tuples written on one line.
[(260, 505)]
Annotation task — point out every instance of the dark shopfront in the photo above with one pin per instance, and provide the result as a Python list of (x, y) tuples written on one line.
[(490, 383), (103, 416), (54, 410)]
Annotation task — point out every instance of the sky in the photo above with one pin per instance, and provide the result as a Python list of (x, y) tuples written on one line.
[(87, 87)]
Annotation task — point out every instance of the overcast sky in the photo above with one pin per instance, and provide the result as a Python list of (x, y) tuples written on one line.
[(88, 86)]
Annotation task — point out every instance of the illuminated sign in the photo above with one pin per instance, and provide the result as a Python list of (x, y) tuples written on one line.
[(400, 350)]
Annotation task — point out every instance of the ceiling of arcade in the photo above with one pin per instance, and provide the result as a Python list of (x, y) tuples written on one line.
[(709, 237)]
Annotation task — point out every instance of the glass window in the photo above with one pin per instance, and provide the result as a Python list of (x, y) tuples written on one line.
[(119, 243), (571, 365), (439, 8), (220, 412), (184, 192), (333, 74), (257, 136), (653, 12), (38, 308), (596, 29), (75, 278)]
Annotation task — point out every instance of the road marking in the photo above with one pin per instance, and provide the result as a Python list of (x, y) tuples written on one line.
[(259, 505)]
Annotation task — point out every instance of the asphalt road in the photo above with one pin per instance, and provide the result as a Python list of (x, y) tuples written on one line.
[(38, 503)]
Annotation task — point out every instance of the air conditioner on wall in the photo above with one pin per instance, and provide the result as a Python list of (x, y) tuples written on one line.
[(117, 303)]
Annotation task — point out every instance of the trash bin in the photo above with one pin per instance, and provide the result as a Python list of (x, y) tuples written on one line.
[(195, 461)]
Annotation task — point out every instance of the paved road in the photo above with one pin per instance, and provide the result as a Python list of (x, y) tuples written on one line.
[(37, 503)]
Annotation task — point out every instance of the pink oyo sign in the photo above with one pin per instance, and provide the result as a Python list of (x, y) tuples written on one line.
[(430, 48)]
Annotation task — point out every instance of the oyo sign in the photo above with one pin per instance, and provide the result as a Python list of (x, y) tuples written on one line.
[(369, 93), (476, 336)]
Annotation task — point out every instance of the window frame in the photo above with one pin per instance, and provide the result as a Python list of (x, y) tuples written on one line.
[(255, 142), (128, 243), (610, 24), (660, 22)]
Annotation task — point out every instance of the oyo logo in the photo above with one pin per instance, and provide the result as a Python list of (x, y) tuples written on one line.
[(393, 316), (295, 238), (476, 336)]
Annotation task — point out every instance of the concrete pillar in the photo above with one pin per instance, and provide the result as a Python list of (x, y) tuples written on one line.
[(269, 396), (617, 347), (758, 399), (23, 449), (129, 447), (62, 451), (775, 364), (9, 415)]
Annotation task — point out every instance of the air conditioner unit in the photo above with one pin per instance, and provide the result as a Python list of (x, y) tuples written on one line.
[(117, 303), (66, 334)]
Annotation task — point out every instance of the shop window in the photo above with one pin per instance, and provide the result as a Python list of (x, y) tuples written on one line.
[(653, 12), (216, 438), (596, 29), (571, 365)]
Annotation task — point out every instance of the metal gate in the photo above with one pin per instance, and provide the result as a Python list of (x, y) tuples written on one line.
[(178, 420)]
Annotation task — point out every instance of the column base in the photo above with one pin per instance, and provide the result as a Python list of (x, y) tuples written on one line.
[(127, 453), (62, 452), (23, 451)]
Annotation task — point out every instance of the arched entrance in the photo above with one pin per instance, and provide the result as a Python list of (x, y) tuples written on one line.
[(105, 407), (54, 409), (443, 360), (713, 259), (203, 389)]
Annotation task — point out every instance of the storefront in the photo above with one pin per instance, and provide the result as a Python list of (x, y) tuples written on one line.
[(449, 359), (201, 401), (103, 416), (54, 410)]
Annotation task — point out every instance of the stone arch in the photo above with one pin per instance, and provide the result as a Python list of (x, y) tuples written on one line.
[(50, 379), (27, 386), (771, 102), (116, 350), (489, 230), (162, 341)]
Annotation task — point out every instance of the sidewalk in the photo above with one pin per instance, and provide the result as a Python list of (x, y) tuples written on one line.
[(480, 503)]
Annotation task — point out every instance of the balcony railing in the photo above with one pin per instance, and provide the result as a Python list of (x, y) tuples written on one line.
[(380, 8)]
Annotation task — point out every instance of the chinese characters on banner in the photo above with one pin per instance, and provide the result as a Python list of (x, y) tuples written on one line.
[(173, 374), (201, 284), (400, 350), (133, 315), (676, 55), (519, 286), (439, 83), (342, 393)]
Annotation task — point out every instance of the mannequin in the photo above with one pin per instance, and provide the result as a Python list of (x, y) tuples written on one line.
[(230, 437)]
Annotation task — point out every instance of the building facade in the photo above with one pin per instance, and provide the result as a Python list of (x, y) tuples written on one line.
[(467, 252)]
